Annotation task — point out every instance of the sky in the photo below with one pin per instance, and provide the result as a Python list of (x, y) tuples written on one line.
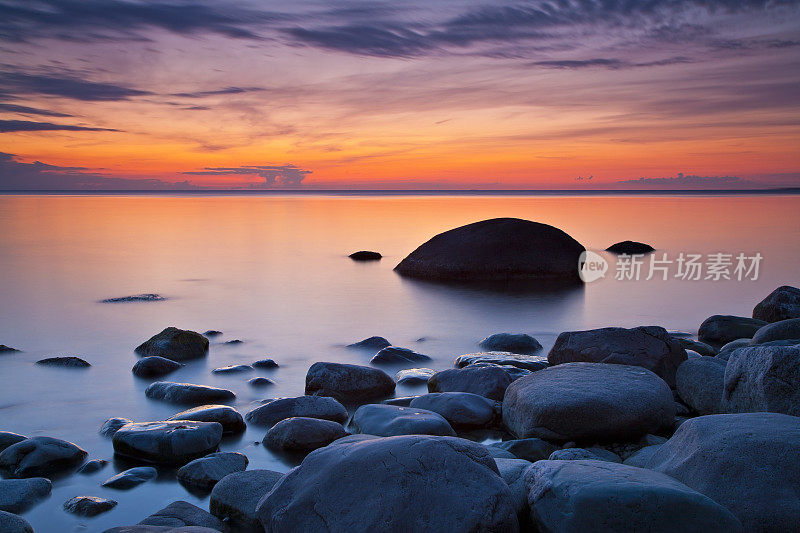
[(419, 94)]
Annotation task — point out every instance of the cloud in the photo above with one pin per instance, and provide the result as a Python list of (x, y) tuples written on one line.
[(218, 92), (388, 40), (9, 126), (24, 110), (274, 175), (611, 64), (65, 85)]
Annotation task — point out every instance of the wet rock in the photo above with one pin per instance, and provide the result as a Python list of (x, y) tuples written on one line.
[(630, 248), (232, 369), (519, 343), (513, 372), (260, 382), (700, 384), (513, 473), (212, 333), (488, 381), (231, 420), (414, 376), (127, 479), (11, 523), (176, 344), (348, 383), (527, 449), (187, 393), (112, 425), (717, 330), (781, 304), (499, 453), (18, 495), (403, 401), (575, 496), (154, 366), (7, 349), (235, 497), (471, 497), (147, 297), (68, 361), (393, 355), (181, 514), (778, 331), (462, 410), (574, 454), (649, 347), (322, 407), (7, 439), (588, 402), (496, 249), (303, 434), (207, 471), (371, 343), (90, 467), (365, 255), (526, 362), (176, 442), (726, 350), (265, 364), (763, 378), (742, 461), (234, 341), (390, 420), (40, 456), (88, 505), (701, 348)]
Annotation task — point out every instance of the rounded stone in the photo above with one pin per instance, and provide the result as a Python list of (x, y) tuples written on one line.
[(187, 393), (390, 420), (488, 381), (232, 422), (348, 383), (154, 366), (303, 434), (88, 505), (462, 410), (176, 344), (519, 343), (41, 456), (235, 497), (274, 411), (781, 304), (176, 442), (205, 472), (127, 479), (11, 523)]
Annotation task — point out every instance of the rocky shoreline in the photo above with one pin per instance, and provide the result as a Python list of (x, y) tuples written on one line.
[(614, 429)]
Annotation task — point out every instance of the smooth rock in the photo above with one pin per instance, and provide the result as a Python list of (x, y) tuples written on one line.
[(365, 255), (587, 495), (260, 382), (68, 361), (176, 344), (701, 348), (513, 473), (147, 297), (699, 383), (630, 248), (187, 393), (649, 347), (303, 434), (90, 467), (746, 462), (488, 381), (726, 350), (588, 402), (7, 439), (781, 304), (112, 425), (232, 422), (371, 343), (127, 479), (212, 333), (462, 410), (778, 331), (513, 372), (154, 366), (205, 472), (235, 497), (717, 330), (404, 490), (532, 449), (232, 369), (526, 362), (18, 495), (40, 456), (181, 514), (7, 349), (234, 341), (322, 407), (763, 378), (519, 343), (414, 376), (390, 420), (348, 383), (393, 355), (640, 457), (575, 454), (265, 364), (176, 442), (88, 505), (11, 523), (403, 401)]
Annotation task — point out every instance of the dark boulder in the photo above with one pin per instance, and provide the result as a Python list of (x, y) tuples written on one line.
[(132, 477), (112, 425), (40, 456), (699, 384), (154, 366), (462, 410), (11, 523), (526, 362), (231, 420), (520, 343), (371, 343), (718, 330), (235, 497), (176, 344), (187, 393), (176, 442), (532, 449), (784, 330), (364, 255), (348, 383), (574, 454), (7, 439), (266, 364), (212, 333), (274, 411), (18, 495), (68, 361), (389, 420), (393, 355), (181, 514), (7, 349), (232, 369), (260, 382), (90, 467), (763, 379), (301, 434), (414, 376), (630, 248), (88, 505), (782, 304), (488, 381), (205, 472)]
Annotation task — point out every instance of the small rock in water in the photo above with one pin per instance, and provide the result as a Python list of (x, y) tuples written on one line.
[(212, 333), (7, 439), (260, 382), (231, 420), (527, 362), (371, 343), (782, 304), (90, 467), (154, 366), (149, 297), (18, 495), (207, 471), (65, 361), (396, 355), (414, 376), (274, 411), (232, 369), (235, 497), (7, 349), (112, 425), (176, 344), (488, 381), (265, 364), (88, 505), (511, 342), (630, 248), (40, 456), (303, 434), (234, 341), (348, 383), (462, 410), (187, 393), (175, 442), (132, 477), (364, 255)]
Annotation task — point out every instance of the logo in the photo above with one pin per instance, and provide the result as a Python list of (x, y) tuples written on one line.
[(592, 266)]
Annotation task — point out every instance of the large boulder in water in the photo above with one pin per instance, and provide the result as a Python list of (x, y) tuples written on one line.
[(393, 355), (699, 384), (488, 381), (17, 495), (496, 249), (462, 410), (718, 330), (235, 497), (785, 330), (763, 378), (390, 420), (8, 438), (231, 420), (589, 495), (176, 442), (176, 344), (588, 402), (154, 366), (187, 393), (392, 484), (348, 383), (300, 434), (746, 462), (510, 342), (504, 359), (274, 411), (40, 456), (181, 514), (782, 304), (205, 472), (650, 347), (11, 523)]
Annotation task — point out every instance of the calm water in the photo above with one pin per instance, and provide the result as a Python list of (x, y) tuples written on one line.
[(273, 272)]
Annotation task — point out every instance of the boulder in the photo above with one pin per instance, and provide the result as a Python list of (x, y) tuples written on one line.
[(403, 401), (462, 410), (488, 381), (518, 343), (575, 454), (112, 425), (699, 383), (235, 497), (717, 330), (40, 457), (181, 514), (176, 442), (514, 372), (528, 449), (176, 344), (303, 434), (784, 330), (745, 462), (17, 495), (205, 472), (726, 350), (588, 495), (212, 333), (7, 439), (649, 347), (588, 402), (234, 342), (781, 304), (11, 523), (513, 473), (265, 364), (404, 490), (232, 369), (187, 393), (90, 467), (630, 248), (371, 343), (526, 362), (88, 505), (132, 477), (147, 297), (274, 411), (390, 420), (232, 422), (763, 378), (7, 349), (364, 255), (496, 249), (414, 376), (701, 348), (260, 382), (69, 361), (348, 383), (394, 355), (154, 366)]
